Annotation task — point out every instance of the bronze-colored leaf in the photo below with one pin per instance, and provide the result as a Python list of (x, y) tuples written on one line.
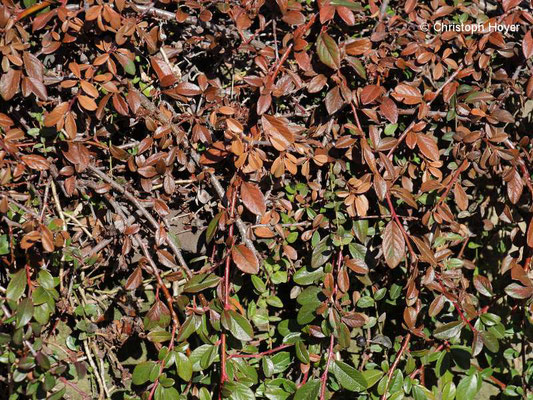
[(253, 198), (393, 244), (244, 259)]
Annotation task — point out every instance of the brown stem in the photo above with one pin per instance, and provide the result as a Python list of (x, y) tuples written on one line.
[(121, 189)]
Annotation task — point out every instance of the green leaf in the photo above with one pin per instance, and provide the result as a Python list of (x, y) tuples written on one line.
[(237, 391), (301, 352), (328, 51), (17, 285), (490, 341), (372, 376), (45, 279), (212, 228), (349, 377), (239, 326), (141, 372), (183, 367), (24, 312), (448, 331), (467, 388), (200, 282), (304, 277), (159, 335), (346, 3), (309, 391), (5, 248)]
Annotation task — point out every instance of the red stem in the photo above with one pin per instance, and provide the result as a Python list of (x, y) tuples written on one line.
[(223, 360), (264, 353), (395, 364), (456, 174)]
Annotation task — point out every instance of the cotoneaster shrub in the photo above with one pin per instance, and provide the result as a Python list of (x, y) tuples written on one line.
[(266, 199)]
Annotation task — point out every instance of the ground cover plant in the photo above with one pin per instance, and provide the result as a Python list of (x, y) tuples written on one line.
[(266, 199)]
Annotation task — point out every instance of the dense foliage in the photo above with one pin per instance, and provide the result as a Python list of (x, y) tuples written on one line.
[(279, 199)]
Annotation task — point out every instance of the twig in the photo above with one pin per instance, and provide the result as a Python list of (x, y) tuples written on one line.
[(154, 270), (212, 178), (94, 367), (464, 165), (121, 189), (324, 377), (412, 124), (223, 374)]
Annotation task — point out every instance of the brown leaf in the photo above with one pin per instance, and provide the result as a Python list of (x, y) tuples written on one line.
[(460, 197), (515, 187), (47, 239), (263, 103), (410, 6), (278, 131), (87, 102), (53, 117), (9, 83), (407, 94), (134, 280), (389, 109), (252, 198), (370, 94), (527, 45), (36, 162), (428, 146), (333, 100), (244, 259), (393, 244), (188, 89), (530, 234)]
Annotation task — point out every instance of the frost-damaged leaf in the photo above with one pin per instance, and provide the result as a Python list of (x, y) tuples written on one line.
[(328, 51), (333, 100), (53, 117), (134, 280), (483, 285), (10, 83), (188, 89), (389, 109), (349, 378), (448, 331), (515, 186), (36, 162), (530, 234), (277, 131), (527, 45), (370, 94), (252, 198), (244, 259), (393, 244), (428, 146), (407, 94), (86, 102), (517, 291)]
